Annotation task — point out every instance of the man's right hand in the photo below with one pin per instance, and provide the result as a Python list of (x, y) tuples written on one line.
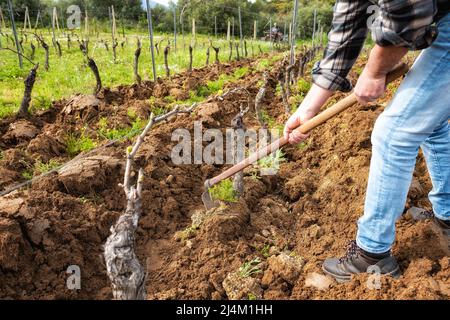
[(310, 106), (297, 119)]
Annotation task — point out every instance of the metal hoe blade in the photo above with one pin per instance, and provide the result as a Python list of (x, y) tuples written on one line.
[(208, 202)]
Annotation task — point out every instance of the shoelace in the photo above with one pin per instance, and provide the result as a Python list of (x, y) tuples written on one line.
[(427, 214), (351, 252)]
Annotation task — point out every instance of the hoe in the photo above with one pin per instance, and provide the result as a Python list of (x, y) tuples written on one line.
[(321, 118)]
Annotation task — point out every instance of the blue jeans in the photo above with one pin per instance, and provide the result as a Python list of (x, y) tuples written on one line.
[(417, 117)]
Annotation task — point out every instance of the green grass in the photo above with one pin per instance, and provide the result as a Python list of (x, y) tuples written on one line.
[(303, 86), (69, 74), (213, 87), (250, 268), (120, 132), (78, 143), (272, 161), (224, 191), (43, 167)]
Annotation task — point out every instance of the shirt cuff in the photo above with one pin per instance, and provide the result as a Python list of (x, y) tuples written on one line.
[(384, 36), (328, 80)]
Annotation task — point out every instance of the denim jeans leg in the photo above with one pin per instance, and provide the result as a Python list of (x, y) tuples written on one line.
[(436, 150), (418, 109)]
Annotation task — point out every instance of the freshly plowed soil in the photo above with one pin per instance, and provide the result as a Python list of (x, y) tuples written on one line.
[(291, 221)]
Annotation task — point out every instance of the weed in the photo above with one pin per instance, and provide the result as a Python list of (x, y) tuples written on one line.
[(303, 86), (131, 113), (267, 119), (118, 133), (272, 161), (250, 268), (224, 191), (42, 167), (303, 145), (28, 174), (265, 251), (251, 296), (76, 144)]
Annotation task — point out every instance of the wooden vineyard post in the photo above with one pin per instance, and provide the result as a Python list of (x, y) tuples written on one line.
[(294, 28), (53, 27), (314, 29), (113, 30), (55, 17), (86, 26), (241, 37), (215, 27), (175, 28), (16, 39), (38, 16), (229, 31), (2, 22), (150, 32), (27, 22), (270, 33), (254, 30)]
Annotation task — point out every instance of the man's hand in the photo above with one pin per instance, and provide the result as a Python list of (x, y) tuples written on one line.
[(310, 106), (372, 82), (297, 119), (370, 86)]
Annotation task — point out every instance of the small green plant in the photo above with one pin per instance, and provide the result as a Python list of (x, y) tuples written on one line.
[(303, 86), (224, 191), (2, 155), (265, 251), (42, 167), (272, 161), (267, 119), (251, 296), (303, 145), (241, 72), (28, 174), (76, 144), (250, 268), (118, 133), (131, 113)]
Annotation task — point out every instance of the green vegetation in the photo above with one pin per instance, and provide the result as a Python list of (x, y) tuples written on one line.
[(250, 268), (272, 161), (69, 73), (303, 86), (224, 191), (76, 144), (251, 296), (213, 87), (265, 251), (44, 167), (121, 132)]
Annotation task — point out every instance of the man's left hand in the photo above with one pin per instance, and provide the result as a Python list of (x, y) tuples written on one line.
[(370, 86)]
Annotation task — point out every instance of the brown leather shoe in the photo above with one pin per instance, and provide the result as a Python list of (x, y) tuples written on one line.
[(357, 260), (443, 227)]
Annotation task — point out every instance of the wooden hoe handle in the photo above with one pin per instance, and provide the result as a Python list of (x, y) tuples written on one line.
[(321, 118)]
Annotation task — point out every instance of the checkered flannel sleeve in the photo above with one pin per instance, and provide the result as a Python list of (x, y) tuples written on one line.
[(405, 23)]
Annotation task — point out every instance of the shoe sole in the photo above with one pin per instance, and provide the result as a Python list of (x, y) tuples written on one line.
[(342, 279)]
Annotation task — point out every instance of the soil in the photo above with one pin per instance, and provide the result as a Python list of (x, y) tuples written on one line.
[(291, 221)]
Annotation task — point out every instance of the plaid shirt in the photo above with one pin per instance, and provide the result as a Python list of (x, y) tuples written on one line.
[(405, 23)]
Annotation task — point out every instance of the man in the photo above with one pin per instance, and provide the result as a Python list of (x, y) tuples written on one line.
[(417, 116)]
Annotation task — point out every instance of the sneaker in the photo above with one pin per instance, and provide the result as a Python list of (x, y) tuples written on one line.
[(356, 260)]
